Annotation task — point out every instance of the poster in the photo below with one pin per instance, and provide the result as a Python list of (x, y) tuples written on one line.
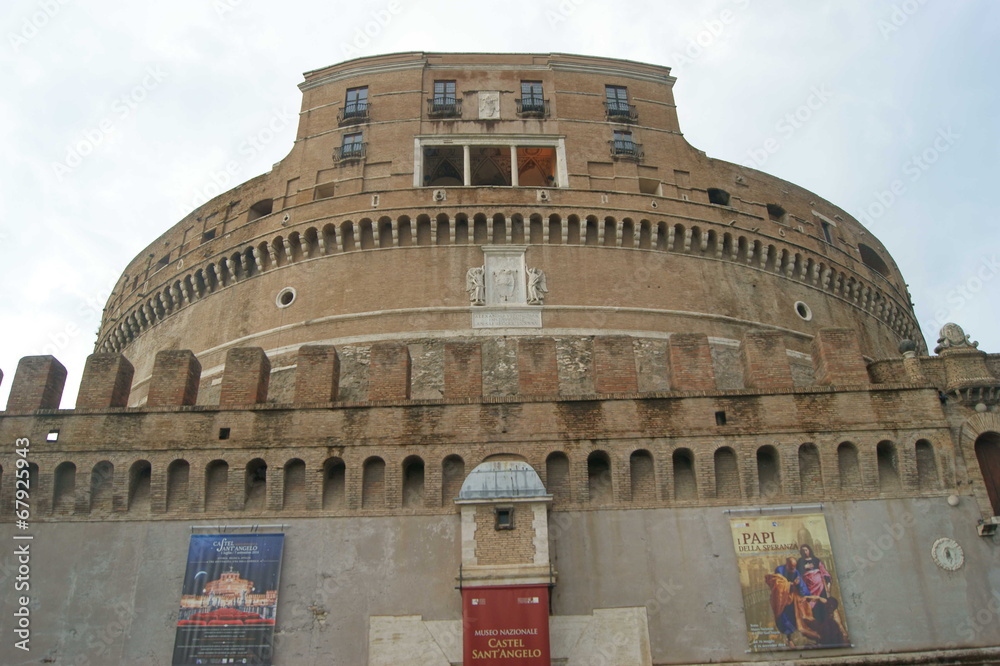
[(506, 626), (229, 600), (791, 594)]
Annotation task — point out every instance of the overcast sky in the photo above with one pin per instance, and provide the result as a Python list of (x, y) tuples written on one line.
[(115, 118)]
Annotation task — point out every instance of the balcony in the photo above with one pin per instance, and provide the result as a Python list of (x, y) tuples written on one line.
[(353, 113), (621, 112), (444, 107), (532, 108), (626, 150), (351, 152)]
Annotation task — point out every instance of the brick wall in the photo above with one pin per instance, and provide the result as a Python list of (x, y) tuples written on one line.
[(690, 362), (246, 377), (536, 366), (38, 384), (175, 379), (498, 547), (317, 374)]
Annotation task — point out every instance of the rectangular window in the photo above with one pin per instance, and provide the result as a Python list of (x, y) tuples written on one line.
[(356, 104), (352, 146), (504, 517), (622, 143), (444, 92), (444, 103), (827, 234), (531, 103)]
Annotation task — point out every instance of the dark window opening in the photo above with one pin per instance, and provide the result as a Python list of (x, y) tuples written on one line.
[(352, 146), (355, 105), (616, 104), (162, 263), (775, 213), (444, 103), (872, 260), (223, 433), (827, 233), (718, 197), (504, 518), (490, 165), (720, 418), (260, 209), (532, 103), (208, 235), (622, 145), (443, 166)]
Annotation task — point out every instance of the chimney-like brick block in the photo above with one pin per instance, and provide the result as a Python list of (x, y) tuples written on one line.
[(38, 384), (614, 365), (175, 379), (690, 360), (107, 382), (765, 361), (463, 370), (389, 372), (317, 374), (837, 357), (246, 377), (537, 373)]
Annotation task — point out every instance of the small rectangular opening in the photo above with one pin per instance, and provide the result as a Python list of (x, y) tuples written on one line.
[(720, 418), (208, 235), (650, 186), (223, 433), (53, 436), (162, 263), (504, 517)]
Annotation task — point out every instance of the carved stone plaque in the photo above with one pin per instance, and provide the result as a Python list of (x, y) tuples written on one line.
[(505, 282), (507, 318), (489, 105)]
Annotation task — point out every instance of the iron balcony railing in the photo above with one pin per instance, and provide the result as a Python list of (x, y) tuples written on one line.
[(532, 107), (444, 107), (624, 149), (621, 111), (354, 112), (351, 151)]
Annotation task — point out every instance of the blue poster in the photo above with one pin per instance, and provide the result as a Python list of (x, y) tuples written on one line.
[(229, 601)]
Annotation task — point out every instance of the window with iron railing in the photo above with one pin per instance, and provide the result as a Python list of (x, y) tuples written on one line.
[(622, 146), (356, 106), (444, 103), (616, 104), (532, 103), (352, 148)]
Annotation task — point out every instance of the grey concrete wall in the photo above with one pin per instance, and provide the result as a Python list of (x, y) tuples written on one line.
[(107, 593)]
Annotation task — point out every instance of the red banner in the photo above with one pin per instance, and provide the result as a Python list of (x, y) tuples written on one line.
[(506, 626)]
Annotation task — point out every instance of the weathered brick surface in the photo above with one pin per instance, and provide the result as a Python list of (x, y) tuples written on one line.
[(497, 547), (107, 380), (38, 384), (175, 379), (246, 377), (463, 370), (389, 377), (765, 362), (317, 374), (838, 359), (614, 365), (536, 366), (690, 362)]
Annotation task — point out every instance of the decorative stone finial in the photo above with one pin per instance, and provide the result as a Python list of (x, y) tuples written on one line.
[(908, 348), (953, 337)]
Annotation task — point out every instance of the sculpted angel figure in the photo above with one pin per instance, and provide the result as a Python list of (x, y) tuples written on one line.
[(536, 286), (475, 286)]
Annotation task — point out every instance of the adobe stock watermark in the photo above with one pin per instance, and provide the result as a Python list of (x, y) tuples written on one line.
[(898, 17), (221, 180), (913, 169), (121, 108), (789, 124), (90, 310), (961, 295), (712, 31), (32, 25), (364, 34)]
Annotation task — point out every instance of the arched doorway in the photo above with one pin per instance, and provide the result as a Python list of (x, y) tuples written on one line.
[(988, 455)]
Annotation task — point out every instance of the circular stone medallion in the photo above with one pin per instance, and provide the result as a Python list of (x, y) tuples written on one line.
[(947, 554)]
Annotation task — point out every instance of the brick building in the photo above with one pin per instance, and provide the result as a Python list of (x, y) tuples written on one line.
[(493, 323)]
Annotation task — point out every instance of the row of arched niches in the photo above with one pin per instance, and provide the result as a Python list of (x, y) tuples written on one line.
[(874, 295), (395, 480)]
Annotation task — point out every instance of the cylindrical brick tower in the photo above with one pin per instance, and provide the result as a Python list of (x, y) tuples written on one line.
[(435, 197)]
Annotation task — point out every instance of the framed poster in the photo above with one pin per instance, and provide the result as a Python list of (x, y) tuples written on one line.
[(229, 601), (791, 595), (506, 626)]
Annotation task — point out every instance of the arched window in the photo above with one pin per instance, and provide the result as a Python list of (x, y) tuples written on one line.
[(685, 485), (850, 470), (334, 483), (178, 474), (642, 476), (810, 478), (373, 484), (102, 477), (727, 474), (216, 484), (64, 488), (599, 477), (768, 474), (139, 476), (413, 481), (988, 455), (557, 476), (294, 486), (452, 476), (927, 473), (888, 466), (255, 486)]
